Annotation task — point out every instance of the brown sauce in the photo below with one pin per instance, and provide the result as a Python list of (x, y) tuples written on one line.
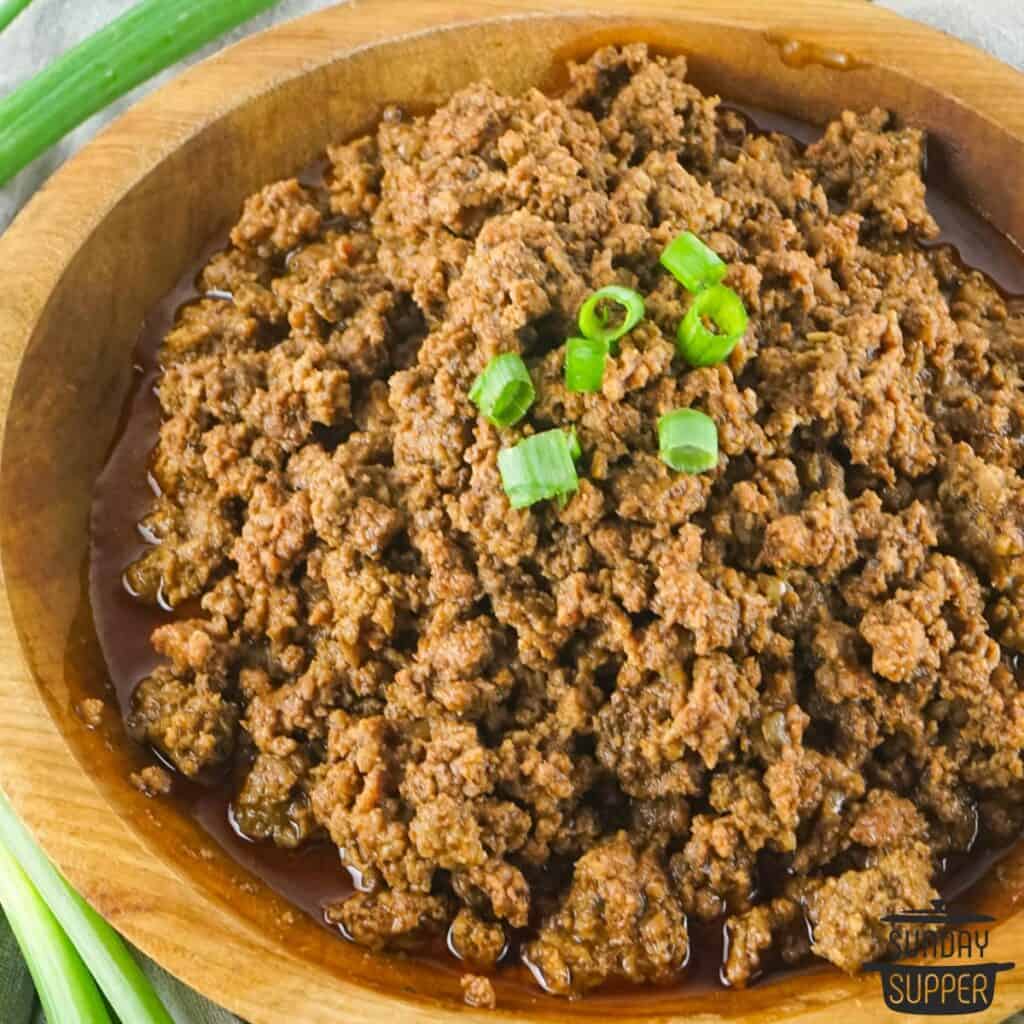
[(314, 876), (796, 53)]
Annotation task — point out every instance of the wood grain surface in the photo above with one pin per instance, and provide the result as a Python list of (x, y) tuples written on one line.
[(112, 231)]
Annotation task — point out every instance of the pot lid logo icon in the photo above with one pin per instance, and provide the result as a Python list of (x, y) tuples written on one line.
[(955, 979)]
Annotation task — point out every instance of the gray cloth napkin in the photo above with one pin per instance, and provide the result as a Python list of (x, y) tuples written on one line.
[(49, 27)]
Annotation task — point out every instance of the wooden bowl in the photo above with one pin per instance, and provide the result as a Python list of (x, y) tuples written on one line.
[(111, 233)]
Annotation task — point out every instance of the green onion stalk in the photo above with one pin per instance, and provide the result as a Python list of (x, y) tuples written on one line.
[(30, 884), (149, 37), (63, 983)]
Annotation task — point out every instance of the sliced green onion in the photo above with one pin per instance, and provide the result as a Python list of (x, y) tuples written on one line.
[(688, 441), (147, 38), (692, 263), (584, 363), (119, 977), (725, 309), (65, 988), (504, 391), (539, 467), (574, 444), (596, 319)]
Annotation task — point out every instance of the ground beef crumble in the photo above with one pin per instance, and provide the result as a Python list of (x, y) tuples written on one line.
[(590, 726), (477, 991), (152, 781), (90, 711)]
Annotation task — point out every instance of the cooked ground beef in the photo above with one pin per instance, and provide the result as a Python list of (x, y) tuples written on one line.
[(153, 780), (772, 695), (90, 711), (477, 991)]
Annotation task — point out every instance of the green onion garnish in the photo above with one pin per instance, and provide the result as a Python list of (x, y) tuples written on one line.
[(688, 441), (596, 317), (504, 391), (148, 37), (539, 467), (128, 991), (574, 444), (692, 263), (66, 989), (584, 363), (724, 308)]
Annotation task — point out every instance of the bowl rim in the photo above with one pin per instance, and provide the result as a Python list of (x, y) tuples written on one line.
[(51, 226)]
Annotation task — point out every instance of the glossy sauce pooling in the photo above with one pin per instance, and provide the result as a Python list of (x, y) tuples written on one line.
[(314, 876), (796, 53)]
